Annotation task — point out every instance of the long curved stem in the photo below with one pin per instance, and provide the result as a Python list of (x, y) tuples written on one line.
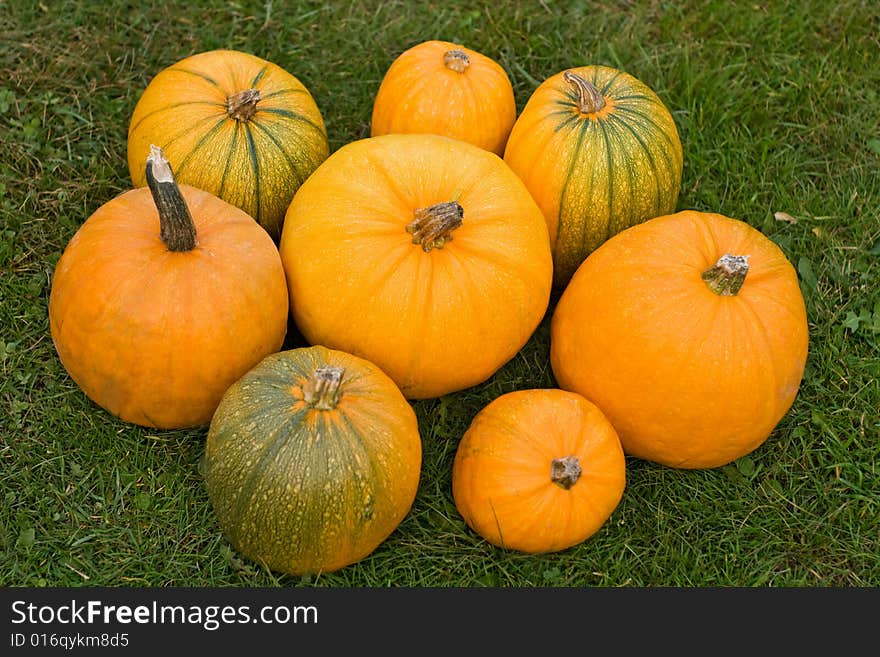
[(590, 99)]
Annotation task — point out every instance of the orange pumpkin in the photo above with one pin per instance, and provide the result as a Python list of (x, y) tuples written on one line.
[(600, 152), (163, 298), (235, 125), (690, 332), (422, 254), (446, 89), (538, 471)]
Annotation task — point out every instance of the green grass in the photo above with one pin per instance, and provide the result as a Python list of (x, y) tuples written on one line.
[(777, 107)]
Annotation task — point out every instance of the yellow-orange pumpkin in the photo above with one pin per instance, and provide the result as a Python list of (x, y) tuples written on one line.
[(423, 254), (689, 331), (235, 125), (538, 471), (446, 89), (599, 151), (163, 298)]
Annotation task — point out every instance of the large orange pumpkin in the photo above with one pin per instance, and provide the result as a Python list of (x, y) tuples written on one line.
[(233, 124), (689, 331), (446, 89), (163, 298), (599, 151), (423, 254), (538, 471)]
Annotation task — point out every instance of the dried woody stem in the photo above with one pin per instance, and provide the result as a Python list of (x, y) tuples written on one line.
[(590, 99), (242, 106), (322, 391), (433, 225), (565, 471), (176, 227), (456, 60), (727, 276)]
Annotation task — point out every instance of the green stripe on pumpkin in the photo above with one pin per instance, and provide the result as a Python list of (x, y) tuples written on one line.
[(233, 143), (649, 155), (283, 92), (648, 119), (294, 116), (567, 224), (297, 165), (171, 106), (255, 167), (258, 77), (610, 163), (203, 76), (204, 139), (243, 498)]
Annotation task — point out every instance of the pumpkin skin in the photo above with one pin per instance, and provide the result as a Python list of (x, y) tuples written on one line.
[(234, 125), (306, 480), (594, 172), (446, 89), (538, 471), (154, 335), (689, 377), (439, 315)]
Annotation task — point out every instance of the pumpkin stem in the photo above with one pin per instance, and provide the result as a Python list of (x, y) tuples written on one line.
[(456, 60), (242, 106), (176, 227), (590, 100), (433, 226), (727, 276), (322, 391), (565, 471)]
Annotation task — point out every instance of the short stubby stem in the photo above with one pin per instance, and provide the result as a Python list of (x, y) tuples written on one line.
[(322, 391), (590, 99), (176, 226), (433, 225), (456, 60), (242, 106), (565, 471), (727, 276)]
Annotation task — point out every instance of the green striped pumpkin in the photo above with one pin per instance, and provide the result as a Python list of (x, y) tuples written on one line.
[(234, 125), (312, 460), (599, 151)]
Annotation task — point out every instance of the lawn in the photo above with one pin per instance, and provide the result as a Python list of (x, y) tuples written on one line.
[(777, 105)]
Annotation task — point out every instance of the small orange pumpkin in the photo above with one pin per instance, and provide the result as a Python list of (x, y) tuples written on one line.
[(423, 254), (163, 298), (689, 331), (446, 89), (538, 471)]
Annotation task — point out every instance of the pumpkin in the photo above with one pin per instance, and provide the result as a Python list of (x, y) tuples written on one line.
[(164, 297), (446, 89), (312, 459), (234, 125), (600, 152), (423, 254), (538, 471), (689, 331)]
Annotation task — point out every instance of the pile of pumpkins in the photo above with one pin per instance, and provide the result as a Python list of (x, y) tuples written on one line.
[(415, 263)]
